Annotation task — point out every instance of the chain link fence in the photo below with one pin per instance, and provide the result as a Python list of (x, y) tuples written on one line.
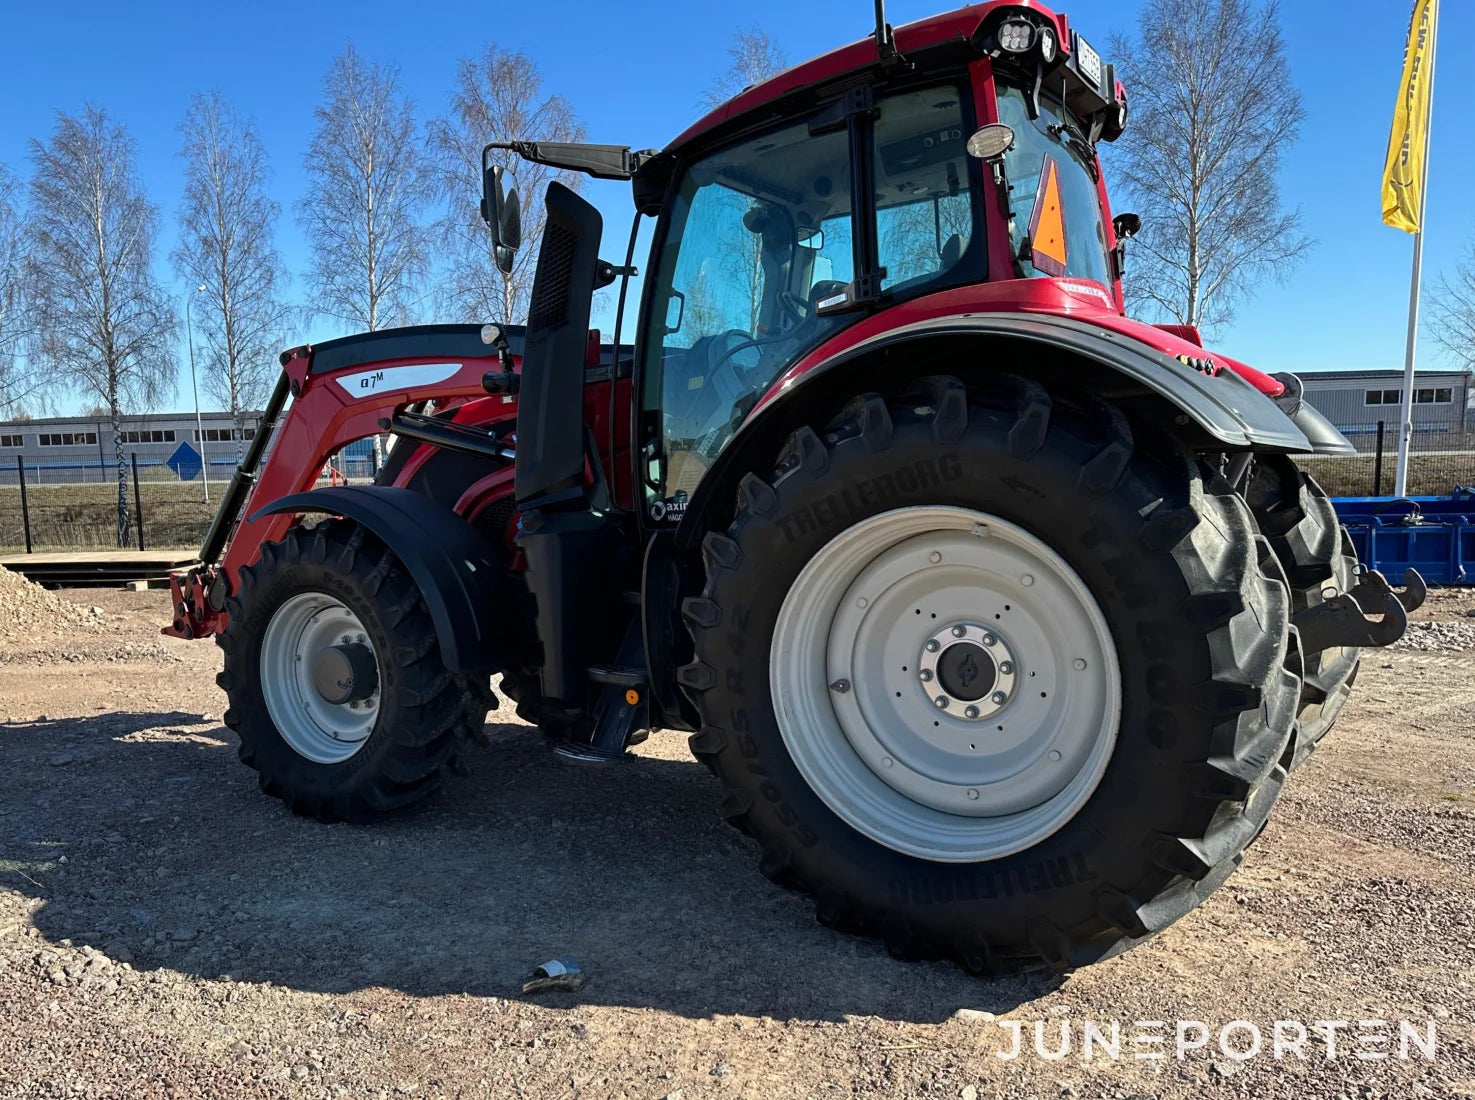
[(75, 506), (1439, 463)]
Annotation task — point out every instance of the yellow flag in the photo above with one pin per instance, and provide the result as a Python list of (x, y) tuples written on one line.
[(1403, 179)]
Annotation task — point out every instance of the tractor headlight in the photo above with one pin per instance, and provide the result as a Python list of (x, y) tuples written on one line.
[(1049, 46), (1016, 35)]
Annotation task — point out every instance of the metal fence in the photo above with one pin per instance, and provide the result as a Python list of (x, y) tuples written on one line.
[(75, 507), (1439, 463)]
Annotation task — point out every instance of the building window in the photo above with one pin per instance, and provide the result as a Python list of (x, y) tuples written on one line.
[(152, 436), (1426, 396), (66, 439), (10, 441), (219, 435)]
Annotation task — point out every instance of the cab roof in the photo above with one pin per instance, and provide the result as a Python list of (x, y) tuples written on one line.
[(957, 26)]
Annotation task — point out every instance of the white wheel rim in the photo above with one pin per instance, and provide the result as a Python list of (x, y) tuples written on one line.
[(300, 629), (856, 686)]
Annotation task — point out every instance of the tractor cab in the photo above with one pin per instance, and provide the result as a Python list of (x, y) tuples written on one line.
[(872, 177)]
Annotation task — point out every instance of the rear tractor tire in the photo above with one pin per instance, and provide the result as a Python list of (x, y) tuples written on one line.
[(991, 679), (333, 670), (1294, 513)]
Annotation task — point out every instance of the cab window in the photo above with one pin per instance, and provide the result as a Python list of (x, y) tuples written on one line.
[(924, 191), (1077, 237)]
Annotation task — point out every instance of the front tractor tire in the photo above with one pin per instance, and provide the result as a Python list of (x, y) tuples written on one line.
[(992, 679), (333, 670)]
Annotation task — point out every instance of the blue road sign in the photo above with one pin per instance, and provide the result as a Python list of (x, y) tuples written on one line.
[(185, 462)]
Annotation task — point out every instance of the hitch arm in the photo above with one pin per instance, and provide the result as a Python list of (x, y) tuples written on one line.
[(1370, 593), (1343, 620)]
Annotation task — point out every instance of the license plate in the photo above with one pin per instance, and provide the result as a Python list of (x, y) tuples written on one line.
[(1088, 62)]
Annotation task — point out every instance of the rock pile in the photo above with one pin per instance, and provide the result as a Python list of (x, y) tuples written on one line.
[(27, 609), (1438, 637)]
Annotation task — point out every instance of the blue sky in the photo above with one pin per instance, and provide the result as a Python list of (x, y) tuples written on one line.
[(636, 72)]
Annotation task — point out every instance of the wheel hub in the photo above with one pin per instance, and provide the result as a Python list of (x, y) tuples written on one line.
[(345, 673), (320, 677), (968, 670)]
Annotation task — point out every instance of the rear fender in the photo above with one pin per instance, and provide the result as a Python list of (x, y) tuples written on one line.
[(477, 609), (1209, 413)]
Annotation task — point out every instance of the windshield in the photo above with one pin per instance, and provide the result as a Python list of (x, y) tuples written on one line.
[(758, 234), (1057, 228)]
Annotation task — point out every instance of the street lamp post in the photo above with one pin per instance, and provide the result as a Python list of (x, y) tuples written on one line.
[(194, 385)]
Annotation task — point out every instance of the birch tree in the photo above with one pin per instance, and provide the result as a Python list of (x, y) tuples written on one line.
[(1452, 310), (103, 323), (1213, 109), (498, 97), (16, 385), (365, 192), (227, 226), (753, 58)]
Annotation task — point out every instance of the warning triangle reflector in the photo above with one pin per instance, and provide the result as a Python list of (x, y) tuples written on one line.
[(1048, 244)]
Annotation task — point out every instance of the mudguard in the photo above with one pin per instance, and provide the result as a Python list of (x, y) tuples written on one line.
[(470, 597), (1227, 412)]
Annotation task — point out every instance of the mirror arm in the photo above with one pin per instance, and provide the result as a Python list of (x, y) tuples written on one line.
[(609, 162)]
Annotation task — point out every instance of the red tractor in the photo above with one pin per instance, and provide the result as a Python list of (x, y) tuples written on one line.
[(1001, 617)]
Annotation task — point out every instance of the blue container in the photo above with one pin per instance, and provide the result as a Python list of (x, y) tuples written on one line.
[(1435, 535)]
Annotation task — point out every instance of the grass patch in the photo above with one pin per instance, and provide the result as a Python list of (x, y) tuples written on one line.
[(84, 517)]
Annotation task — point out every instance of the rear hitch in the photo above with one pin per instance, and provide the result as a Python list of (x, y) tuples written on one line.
[(1343, 620), (1372, 589)]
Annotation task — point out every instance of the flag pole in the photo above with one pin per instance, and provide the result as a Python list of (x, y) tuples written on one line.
[(1405, 436)]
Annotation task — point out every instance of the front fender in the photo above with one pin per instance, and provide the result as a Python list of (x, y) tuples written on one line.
[(475, 606)]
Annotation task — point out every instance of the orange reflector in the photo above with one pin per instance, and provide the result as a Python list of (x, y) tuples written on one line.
[(1048, 244), (632, 697)]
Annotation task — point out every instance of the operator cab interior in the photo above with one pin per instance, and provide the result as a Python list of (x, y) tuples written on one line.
[(758, 249)]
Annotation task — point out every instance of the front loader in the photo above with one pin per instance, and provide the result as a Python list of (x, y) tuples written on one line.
[(1000, 617)]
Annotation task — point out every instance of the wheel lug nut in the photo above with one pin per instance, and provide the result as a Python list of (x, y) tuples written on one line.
[(840, 687), (959, 631), (973, 794), (989, 639), (936, 557), (941, 702), (933, 645), (926, 676), (1006, 668), (971, 712), (1080, 664), (1000, 698)]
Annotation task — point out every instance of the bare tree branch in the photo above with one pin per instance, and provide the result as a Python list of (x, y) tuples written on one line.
[(755, 58), (103, 325), (365, 192), (498, 97), (227, 225), (18, 384), (1213, 109), (1452, 310)]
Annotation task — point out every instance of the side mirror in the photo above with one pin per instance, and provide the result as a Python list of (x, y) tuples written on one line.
[(502, 211), (1127, 226)]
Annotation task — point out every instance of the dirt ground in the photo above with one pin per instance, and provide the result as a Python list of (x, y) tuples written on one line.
[(167, 930)]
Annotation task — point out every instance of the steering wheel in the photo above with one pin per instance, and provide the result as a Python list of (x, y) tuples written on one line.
[(795, 305)]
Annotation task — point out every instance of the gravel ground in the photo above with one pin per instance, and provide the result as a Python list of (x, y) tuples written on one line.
[(166, 930)]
